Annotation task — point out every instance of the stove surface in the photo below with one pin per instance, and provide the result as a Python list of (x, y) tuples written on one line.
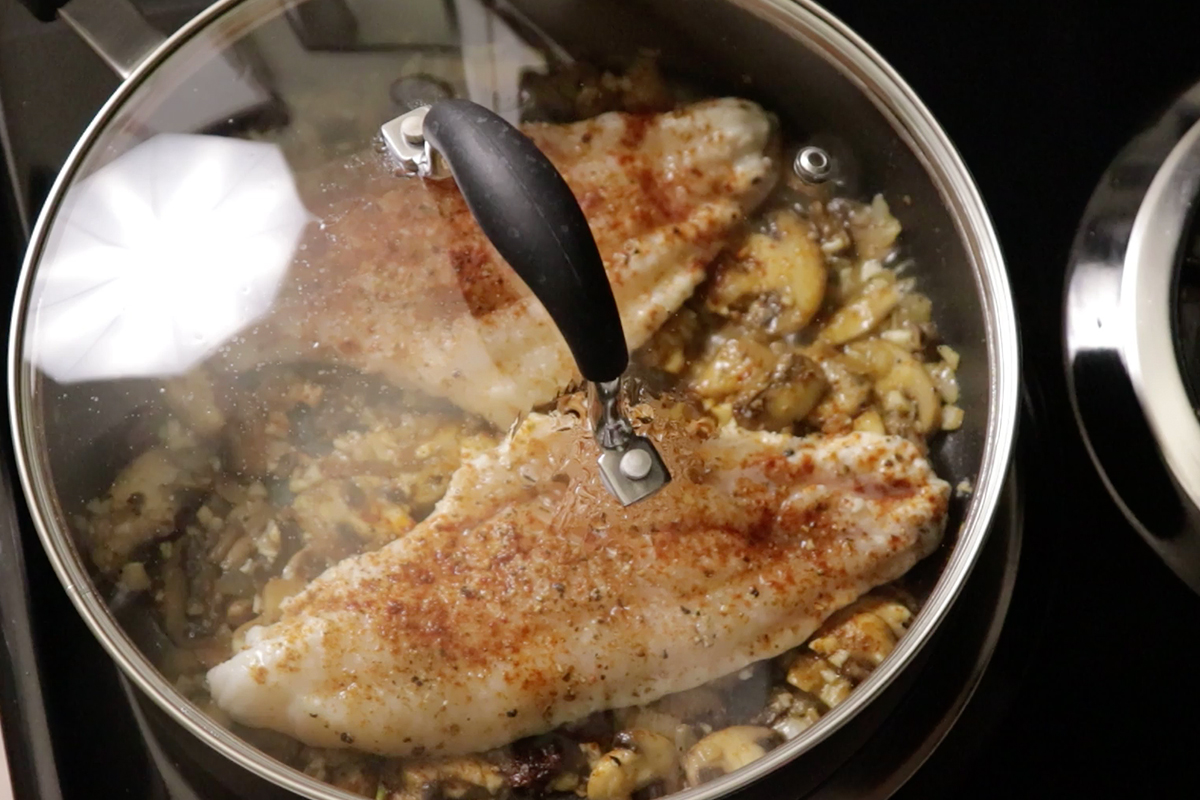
[(1087, 692)]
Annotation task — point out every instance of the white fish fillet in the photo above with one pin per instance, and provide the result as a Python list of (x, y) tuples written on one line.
[(530, 598), (401, 281)]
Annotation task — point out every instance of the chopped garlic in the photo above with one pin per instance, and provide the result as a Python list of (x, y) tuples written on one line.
[(952, 418), (949, 355), (134, 578), (903, 337)]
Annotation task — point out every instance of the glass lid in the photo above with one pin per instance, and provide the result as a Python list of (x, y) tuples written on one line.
[(470, 398)]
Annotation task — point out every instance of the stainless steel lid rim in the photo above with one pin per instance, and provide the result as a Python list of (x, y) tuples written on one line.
[(921, 133), (1124, 379)]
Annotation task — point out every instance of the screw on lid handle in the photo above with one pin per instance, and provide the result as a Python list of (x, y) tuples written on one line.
[(527, 210)]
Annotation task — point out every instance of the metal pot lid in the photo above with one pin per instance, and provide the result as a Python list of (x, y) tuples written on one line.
[(1131, 325), (546, 301)]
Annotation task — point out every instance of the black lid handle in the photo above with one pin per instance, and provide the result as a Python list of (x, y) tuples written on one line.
[(526, 209)]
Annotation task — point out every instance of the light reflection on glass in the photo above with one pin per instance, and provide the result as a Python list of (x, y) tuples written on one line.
[(162, 255)]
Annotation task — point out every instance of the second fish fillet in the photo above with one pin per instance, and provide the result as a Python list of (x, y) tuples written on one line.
[(530, 598)]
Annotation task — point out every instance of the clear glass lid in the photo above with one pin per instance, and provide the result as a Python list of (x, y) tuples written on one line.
[(327, 434)]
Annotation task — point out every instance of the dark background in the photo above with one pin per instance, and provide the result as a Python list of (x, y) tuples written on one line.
[(1039, 97), (1095, 674)]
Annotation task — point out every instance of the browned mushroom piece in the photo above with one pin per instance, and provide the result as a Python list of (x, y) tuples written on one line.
[(775, 280)]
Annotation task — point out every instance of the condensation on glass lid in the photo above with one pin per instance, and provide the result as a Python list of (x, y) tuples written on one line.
[(162, 255)]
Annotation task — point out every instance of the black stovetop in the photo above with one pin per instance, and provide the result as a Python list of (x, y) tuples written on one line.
[(1089, 692)]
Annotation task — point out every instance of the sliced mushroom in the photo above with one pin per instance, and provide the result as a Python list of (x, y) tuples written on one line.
[(789, 713), (657, 720), (445, 778), (775, 280), (873, 357), (792, 391), (914, 309), (766, 386), (639, 759), (909, 379), (143, 504), (848, 647), (857, 645), (864, 313), (905, 390), (814, 675), (732, 360), (726, 750), (849, 391)]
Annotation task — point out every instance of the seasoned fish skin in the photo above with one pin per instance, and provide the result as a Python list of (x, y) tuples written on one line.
[(531, 598), (400, 281)]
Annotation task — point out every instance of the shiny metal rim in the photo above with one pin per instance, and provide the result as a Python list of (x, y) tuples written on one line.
[(827, 36), (1145, 300), (1125, 382)]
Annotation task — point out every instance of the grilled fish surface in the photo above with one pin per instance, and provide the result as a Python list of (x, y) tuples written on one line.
[(531, 598), (399, 280)]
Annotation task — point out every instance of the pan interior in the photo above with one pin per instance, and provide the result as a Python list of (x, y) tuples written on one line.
[(315, 80)]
